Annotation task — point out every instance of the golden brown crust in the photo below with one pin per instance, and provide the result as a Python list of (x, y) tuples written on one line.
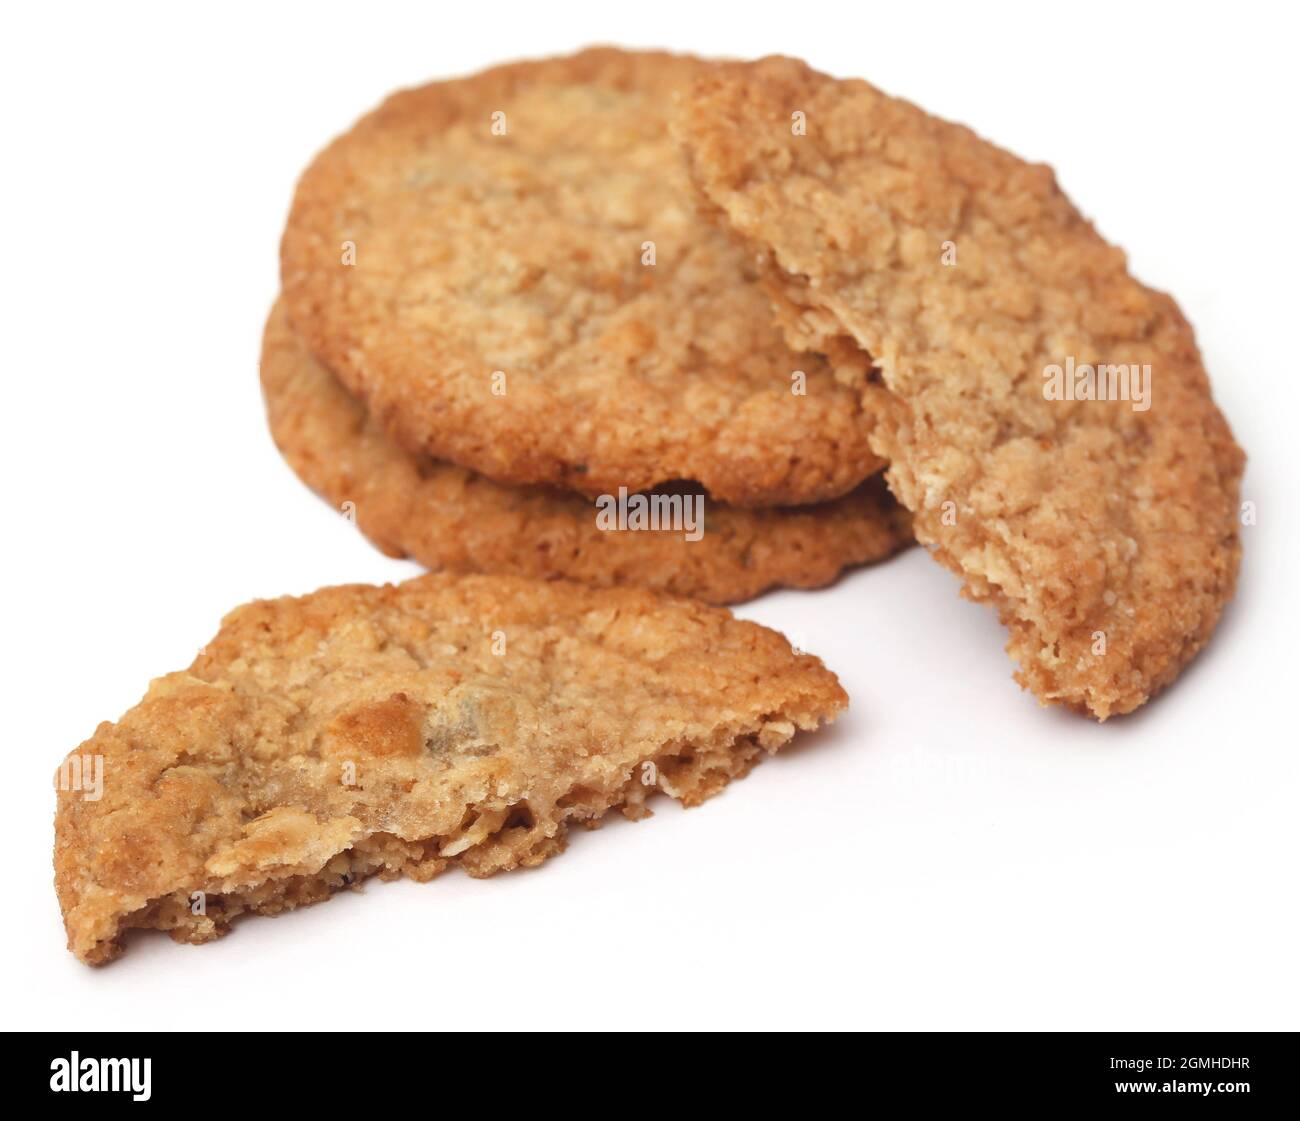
[(396, 730), (1105, 535), (522, 253), (447, 517)]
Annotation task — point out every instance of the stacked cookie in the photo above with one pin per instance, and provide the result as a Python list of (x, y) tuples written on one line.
[(507, 327)]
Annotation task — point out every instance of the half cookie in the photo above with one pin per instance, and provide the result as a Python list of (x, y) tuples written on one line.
[(447, 517), (1046, 417), (396, 730), (509, 270)]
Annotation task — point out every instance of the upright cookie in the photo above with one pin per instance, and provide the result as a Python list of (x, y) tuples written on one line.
[(396, 730), (1046, 417), (447, 517), (510, 271)]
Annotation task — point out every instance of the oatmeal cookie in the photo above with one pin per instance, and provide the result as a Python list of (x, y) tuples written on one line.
[(1046, 417), (398, 730), (511, 272), (447, 517)]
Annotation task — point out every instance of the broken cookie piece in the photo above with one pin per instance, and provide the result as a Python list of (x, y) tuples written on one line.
[(1045, 416), (398, 730)]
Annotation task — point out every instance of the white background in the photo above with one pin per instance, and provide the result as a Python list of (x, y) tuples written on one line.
[(949, 856)]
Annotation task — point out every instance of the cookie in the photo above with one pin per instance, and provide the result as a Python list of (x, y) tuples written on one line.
[(447, 517), (511, 272), (398, 730), (1046, 417)]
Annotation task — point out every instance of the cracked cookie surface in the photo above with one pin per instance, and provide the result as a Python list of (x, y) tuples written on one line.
[(397, 730), (520, 253), (448, 517), (943, 277)]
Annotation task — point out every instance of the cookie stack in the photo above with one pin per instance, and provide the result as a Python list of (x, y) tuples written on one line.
[(507, 324), (515, 298)]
